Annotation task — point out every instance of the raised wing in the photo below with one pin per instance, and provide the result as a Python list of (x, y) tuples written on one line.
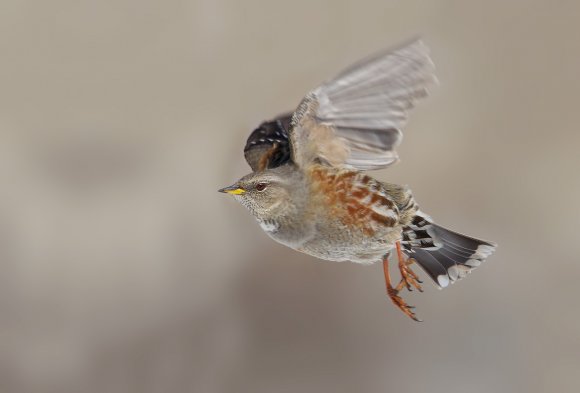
[(268, 145), (356, 119)]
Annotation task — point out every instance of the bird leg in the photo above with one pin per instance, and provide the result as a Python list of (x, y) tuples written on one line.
[(394, 292), (408, 277)]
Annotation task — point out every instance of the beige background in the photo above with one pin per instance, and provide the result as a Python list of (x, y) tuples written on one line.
[(122, 269)]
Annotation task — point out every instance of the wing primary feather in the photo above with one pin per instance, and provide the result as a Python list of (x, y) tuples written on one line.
[(362, 111)]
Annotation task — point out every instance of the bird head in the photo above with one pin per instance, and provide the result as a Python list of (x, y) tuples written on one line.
[(270, 194)]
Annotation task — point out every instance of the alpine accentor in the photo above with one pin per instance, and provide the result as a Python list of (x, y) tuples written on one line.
[(308, 190)]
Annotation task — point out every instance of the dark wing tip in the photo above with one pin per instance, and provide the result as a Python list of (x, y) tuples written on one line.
[(268, 146)]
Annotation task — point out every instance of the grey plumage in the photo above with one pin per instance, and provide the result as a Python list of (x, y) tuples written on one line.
[(308, 190), (446, 256), (366, 107)]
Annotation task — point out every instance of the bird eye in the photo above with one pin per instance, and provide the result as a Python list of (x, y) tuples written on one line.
[(261, 186)]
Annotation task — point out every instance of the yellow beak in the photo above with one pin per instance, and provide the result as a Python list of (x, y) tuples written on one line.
[(232, 190)]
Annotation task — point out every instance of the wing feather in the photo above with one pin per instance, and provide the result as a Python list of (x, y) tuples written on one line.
[(268, 145), (356, 119)]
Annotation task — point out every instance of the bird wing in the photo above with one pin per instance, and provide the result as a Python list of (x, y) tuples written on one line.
[(355, 120), (268, 146)]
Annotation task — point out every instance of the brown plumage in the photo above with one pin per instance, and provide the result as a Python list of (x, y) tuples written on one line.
[(350, 199), (308, 190)]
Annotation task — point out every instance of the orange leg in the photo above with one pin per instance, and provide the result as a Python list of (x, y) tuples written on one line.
[(394, 292), (408, 277)]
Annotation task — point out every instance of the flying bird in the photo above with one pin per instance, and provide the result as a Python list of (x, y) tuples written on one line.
[(309, 191)]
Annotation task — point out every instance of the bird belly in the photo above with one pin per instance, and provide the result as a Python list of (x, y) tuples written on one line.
[(339, 243), (331, 240)]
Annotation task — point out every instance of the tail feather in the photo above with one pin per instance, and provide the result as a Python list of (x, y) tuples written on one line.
[(446, 256)]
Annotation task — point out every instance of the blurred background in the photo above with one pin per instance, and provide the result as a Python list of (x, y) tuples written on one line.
[(123, 270)]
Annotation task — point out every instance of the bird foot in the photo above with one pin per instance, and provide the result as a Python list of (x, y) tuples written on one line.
[(401, 304), (408, 277), (394, 292)]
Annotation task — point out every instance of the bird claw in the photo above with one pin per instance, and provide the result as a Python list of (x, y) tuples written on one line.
[(402, 305), (408, 277)]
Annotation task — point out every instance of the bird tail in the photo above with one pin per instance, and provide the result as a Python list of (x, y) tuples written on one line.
[(446, 256)]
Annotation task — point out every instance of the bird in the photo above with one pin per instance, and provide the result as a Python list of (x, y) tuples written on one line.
[(309, 188)]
